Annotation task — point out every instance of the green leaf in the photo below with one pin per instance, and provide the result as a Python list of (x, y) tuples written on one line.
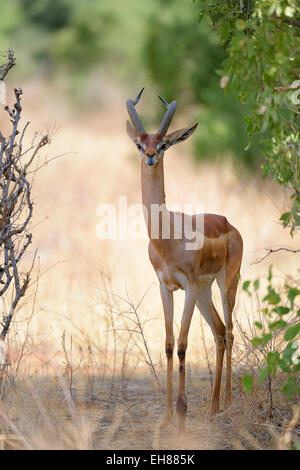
[(247, 383), (263, 373), (272, 361), (276, 325), (246, 285), (292, 332), (200, 16), (240, 25), (259, 325), (208, 20), (270, 275), (284, 365), (267, 337), (289, 387), (293, 292), (281, 310), (256, 284), (273, 298), (285, 218), (288, 352), (256, 341)]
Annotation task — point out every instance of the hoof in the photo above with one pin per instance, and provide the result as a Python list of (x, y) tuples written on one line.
[(181, 404), (181, 409)]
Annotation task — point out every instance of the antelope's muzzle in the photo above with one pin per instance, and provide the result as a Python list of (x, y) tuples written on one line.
[(150, 159)]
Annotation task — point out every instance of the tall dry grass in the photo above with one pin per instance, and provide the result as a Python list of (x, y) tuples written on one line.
[(87, 345)]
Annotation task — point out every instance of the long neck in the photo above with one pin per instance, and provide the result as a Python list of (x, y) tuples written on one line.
[(154, 202), (153, 190)]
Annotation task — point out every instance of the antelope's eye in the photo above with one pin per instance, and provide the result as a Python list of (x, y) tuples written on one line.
[(163, 147), (139, 146)]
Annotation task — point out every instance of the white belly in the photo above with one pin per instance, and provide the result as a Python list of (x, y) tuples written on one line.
[(174, 281)]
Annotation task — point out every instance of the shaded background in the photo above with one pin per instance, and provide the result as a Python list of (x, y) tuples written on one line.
[(79, 46)]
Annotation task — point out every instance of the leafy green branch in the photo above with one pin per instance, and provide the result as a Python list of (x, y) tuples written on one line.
[(262, 42), (282, 315)]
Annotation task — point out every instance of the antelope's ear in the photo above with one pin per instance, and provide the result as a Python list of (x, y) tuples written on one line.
[(182, 134), (131, 131)]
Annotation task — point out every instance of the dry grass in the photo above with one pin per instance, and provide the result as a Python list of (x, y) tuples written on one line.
[(79, 376)]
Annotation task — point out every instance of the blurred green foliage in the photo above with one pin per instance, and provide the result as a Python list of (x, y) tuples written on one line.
[(159, 44), (10, 18), (277, 336), (47, 14), (182, 56)]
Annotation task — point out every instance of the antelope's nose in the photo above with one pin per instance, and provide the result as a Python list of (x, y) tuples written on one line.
[(150, 159)]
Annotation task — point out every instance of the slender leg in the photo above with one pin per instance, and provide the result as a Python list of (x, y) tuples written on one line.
[(167, 301), (207, 309), (181, 403), (228, 282), (229, 302)]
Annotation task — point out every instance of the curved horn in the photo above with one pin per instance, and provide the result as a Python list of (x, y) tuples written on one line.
[(171, 108), (130, 104)]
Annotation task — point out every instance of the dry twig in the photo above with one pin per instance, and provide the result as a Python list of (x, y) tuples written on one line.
[(274, 250)]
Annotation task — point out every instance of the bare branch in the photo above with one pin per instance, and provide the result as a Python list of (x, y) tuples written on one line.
[(286, 88), (274, 250), (16, 207), (5, 68)]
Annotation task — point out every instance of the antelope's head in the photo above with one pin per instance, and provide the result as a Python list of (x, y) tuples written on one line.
[(153, 146)]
